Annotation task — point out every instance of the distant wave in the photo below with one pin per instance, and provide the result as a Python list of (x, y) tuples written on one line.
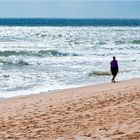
[(120, 42), (14, 62), (135, 42), (41, 53)]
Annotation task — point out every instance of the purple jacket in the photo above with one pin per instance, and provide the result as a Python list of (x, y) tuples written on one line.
[(114, 64)]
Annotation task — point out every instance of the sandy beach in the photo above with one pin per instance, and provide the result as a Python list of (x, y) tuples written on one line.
[(97, 112)]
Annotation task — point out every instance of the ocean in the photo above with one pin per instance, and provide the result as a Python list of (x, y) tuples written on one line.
[(41, 55)]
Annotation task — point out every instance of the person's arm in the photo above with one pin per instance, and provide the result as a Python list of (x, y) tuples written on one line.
[(117, 66), (110, 67)]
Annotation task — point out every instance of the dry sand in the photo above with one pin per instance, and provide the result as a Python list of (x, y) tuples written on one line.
[(108, 111)]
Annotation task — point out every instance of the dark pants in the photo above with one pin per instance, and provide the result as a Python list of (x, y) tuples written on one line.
[(114, 71)]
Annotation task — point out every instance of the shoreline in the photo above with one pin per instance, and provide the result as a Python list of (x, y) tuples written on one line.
[(55, 91), (101, 111)]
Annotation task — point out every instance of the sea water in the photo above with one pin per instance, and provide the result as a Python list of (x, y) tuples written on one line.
[(38, 55)]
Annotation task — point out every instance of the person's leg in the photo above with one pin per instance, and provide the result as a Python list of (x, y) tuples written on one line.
[(113, 79), (114, 73)]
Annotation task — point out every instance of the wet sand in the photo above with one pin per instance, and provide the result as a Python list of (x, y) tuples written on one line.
[(98, 112)]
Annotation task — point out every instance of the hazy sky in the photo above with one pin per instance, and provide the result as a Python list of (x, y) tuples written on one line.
[(70, 8)]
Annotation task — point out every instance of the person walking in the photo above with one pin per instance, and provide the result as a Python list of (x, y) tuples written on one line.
[(114, 68)]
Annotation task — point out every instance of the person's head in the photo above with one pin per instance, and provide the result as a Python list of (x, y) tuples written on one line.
[(114, 57)]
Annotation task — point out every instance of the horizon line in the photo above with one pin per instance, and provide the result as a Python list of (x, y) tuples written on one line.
[(66, 18)]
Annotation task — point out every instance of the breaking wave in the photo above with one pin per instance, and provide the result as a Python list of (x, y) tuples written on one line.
[(99, 73), (108, 73), (41, 53)]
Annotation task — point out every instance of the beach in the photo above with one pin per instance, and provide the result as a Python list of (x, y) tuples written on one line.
[(95, 112)]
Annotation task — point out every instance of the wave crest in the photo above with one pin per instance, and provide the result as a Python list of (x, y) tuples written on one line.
[(99, 73), (41, 53)]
